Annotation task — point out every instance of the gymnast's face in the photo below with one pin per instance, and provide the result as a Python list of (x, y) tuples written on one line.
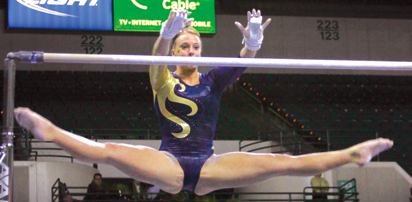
[(187, 45)]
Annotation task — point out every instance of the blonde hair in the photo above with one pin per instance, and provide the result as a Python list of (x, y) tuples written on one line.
[(185, 30)]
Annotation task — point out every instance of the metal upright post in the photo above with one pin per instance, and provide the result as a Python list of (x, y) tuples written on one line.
[(7, 148)]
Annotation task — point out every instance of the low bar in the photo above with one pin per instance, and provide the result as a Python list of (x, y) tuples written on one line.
[(39, 57)]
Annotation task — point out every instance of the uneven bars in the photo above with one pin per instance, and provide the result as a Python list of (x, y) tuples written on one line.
[(40, 57)]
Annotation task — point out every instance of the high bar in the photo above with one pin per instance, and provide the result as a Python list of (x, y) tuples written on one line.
[(41, 57)]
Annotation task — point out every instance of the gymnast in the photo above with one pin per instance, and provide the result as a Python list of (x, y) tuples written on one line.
[(187, 104)]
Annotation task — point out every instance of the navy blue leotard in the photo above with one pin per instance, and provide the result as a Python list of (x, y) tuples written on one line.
[(188, 116)]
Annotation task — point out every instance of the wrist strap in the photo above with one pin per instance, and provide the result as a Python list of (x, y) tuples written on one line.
[(165, 33), (252, 44)]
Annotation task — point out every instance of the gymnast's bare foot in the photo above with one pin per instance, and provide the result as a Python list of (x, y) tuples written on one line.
[(40, 127), (362, 153)]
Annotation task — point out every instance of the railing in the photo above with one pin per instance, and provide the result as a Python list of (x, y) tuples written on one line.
[(153, 134), (25, 150), (342, 193), (279, 127), (345, 192), (252, 101), (300, 141), (109, 133), (28, 148)]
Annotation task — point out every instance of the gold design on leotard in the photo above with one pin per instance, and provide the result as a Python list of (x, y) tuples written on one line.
[(167, 92)]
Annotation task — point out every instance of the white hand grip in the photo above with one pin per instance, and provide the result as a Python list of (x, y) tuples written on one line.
[(254, 24)]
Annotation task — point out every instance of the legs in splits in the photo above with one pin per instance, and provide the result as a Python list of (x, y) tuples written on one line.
[(142, 163), (241, 169)]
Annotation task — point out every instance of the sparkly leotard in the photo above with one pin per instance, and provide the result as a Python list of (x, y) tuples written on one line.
[(188, 116)]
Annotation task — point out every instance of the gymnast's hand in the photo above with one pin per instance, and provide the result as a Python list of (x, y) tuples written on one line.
[(177, 21), (253, 33)]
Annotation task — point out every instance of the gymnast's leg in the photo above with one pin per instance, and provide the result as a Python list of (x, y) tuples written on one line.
[(140, 162), (239, 169)]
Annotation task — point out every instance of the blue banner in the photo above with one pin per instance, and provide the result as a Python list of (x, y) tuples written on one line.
[(61, 14)]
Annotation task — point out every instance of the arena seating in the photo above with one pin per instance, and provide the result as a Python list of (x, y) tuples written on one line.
[(352, 108), (110, 104)]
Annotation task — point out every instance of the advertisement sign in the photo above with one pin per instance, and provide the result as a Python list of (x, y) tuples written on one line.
[(61, 14), (148, 15)]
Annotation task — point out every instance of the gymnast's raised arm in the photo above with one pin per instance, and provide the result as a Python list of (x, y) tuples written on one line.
[(177, 20), (252, 38), (252, 34)]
